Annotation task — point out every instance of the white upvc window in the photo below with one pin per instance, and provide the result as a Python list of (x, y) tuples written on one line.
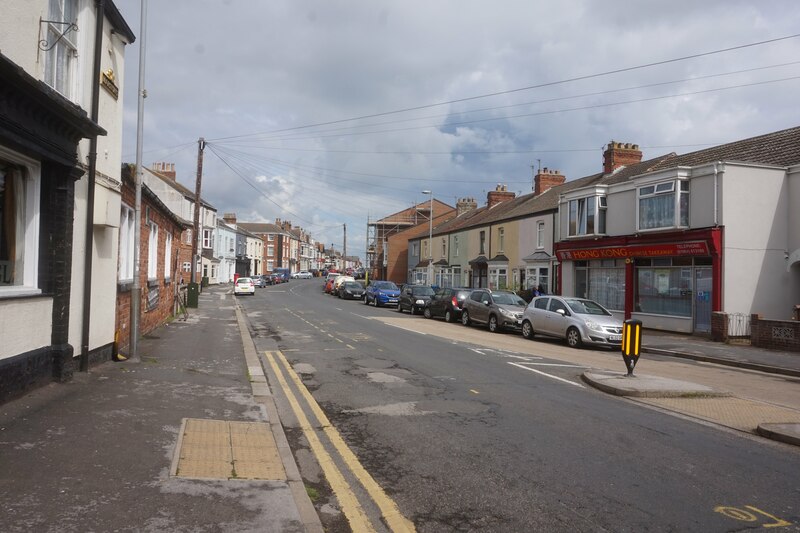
[(444, 247), (20, 183), (455, 245), (271, 237), (207, 238), (152, 252), (60, 60), (126, 243), (664, 205), (540, 235), (587, 216), (501, 239), (168, 255)]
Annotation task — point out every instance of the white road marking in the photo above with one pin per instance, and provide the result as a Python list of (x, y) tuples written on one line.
[(546, 374), (406, 329), (554, 364)]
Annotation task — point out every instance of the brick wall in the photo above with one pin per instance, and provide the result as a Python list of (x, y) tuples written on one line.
[(775, 334), (719, 326), (159, 291)]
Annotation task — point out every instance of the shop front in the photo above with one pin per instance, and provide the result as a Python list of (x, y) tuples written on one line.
[(669, 281)]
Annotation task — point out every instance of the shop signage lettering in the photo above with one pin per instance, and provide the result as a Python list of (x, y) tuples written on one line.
[(653, 250)]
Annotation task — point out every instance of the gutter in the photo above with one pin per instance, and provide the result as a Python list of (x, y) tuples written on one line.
[(92, 175)]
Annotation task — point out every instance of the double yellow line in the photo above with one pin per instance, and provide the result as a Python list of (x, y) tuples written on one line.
[(344, 492)]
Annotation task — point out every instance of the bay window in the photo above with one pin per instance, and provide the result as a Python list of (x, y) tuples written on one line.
[(664, 205), (587, 216)]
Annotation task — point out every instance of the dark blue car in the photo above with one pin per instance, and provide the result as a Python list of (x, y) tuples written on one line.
[(381, 293)]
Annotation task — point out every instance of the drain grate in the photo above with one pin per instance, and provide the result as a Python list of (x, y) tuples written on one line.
[(220, 449)]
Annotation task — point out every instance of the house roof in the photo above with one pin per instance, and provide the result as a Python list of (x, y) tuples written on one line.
[(410, 215), (422, 229), (780, 148), (260, 228), (188, 194)]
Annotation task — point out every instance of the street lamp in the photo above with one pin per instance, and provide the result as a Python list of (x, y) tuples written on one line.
[(430, 238)]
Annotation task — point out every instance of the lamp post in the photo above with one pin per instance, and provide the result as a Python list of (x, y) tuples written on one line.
[(430, 238)]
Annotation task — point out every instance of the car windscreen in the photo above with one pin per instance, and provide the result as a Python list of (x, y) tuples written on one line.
[(422, 291), (352, 285), (386, 285), (504, 298), (587, 307)]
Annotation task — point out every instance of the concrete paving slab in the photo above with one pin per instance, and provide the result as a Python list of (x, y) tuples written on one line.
[(788, 433), (644, 386), (736, 413)]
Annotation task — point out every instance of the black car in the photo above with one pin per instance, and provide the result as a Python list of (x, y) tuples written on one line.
[(414, 298), (447, 302), (351, 290)]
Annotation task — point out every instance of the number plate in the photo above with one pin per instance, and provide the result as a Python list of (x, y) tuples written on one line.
[(615, 338)]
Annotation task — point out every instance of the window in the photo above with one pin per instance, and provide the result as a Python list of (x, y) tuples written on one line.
[(455, 246), (126, 244), (587, 216), (19, 225), (664, 286), (270, 265), (537, 277), (270, 250), (167, 255), (59, 61), (482, 243), (501, 239), (498, 278), (444, 247), (187, 266), (540, 235), (415, 249), (206, 238), (658, 205), (271, 237), (152, 253)]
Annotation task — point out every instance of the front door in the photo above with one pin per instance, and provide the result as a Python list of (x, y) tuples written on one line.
[(702, 299)]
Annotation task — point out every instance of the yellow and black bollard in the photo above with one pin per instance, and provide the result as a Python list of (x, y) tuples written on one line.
[(631, 343)]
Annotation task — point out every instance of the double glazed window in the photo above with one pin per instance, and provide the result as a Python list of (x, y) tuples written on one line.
[(167, 255), (587, 216), (152, 252), (126, 244), (664, 205)]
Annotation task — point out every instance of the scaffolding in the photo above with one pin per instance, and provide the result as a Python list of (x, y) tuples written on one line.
[(379, 231)]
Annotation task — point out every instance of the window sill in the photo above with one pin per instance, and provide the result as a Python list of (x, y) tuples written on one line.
[(19, 292), (125, 286), (152, 282)]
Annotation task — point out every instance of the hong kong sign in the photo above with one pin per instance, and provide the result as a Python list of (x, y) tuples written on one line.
[(646, 250)]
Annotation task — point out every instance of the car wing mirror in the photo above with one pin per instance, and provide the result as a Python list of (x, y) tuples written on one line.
[(561, 312)]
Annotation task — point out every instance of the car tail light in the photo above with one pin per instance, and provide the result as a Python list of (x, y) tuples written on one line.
[(455, 301)]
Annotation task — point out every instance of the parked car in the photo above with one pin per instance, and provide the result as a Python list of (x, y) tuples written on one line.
[(304, 274), (496, 309), (338, 282), (414, 298), (283, 273), (244, 286), (380, 293), (447, 302), (578, 320), (273, 279), (260, 281), (351, 290)]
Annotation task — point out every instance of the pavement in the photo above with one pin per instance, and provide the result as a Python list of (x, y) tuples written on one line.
[(189, 438)]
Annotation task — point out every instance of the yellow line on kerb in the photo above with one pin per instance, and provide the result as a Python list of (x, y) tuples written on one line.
[(391, 514), (350, 506)]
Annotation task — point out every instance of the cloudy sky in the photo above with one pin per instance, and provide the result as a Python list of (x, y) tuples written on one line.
[(333, 112)]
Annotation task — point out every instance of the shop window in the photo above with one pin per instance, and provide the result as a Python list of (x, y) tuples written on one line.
[(664, 205), (19, 226), (664, 290)]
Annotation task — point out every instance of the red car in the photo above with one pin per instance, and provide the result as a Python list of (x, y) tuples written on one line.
[(329, 285)]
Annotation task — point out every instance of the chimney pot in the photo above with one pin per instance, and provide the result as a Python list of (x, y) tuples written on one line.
[(619, 154)]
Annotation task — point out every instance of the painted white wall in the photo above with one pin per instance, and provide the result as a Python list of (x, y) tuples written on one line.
[(18, 316), (755, 213)]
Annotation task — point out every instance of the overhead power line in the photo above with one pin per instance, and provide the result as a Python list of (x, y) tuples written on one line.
[(526, 88)]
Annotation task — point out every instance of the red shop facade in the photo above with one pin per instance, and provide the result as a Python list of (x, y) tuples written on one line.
[(670, 281)]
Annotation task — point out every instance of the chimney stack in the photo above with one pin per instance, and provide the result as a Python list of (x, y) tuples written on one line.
[(546, 179), (229, 218), (464, 205), (619, 155), (165, 169), (499, 195)]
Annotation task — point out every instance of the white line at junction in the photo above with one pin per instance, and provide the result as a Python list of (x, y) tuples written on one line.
[(546, 374)]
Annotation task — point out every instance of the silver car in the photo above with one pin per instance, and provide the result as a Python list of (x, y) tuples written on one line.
[(577, 320)]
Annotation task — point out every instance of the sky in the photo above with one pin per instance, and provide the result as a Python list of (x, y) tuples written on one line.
[(329, 113)]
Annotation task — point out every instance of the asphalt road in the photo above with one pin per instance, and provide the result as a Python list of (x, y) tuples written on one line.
[(467, 438)]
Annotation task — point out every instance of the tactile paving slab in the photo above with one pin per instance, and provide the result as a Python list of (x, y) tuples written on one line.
[(220, 449)]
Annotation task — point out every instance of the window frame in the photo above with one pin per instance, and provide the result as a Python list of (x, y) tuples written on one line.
[(126, 238), (540, 235), (167, 255), (587, 215), (62, 58), (31, 221), (152, 251)]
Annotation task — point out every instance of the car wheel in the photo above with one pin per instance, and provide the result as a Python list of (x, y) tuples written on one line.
[(366, 300), (574, 338), (527, 330), (448, 316), (465, 317), (492, 324), (427, 313), (399, 308)]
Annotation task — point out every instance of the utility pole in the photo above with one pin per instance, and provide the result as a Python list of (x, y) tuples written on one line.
[(193, 286), (136, 289), (344, 247)]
